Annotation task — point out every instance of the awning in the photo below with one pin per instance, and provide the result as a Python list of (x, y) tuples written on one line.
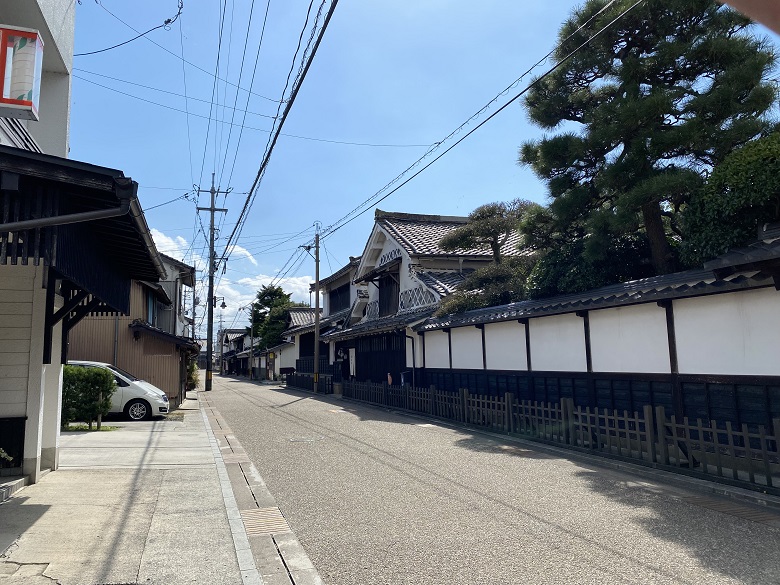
[(139, 327)]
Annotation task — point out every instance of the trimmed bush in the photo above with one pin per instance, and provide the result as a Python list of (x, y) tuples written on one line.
[(86, 394)]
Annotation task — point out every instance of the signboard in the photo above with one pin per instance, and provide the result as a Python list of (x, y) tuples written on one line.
[(21, 60)]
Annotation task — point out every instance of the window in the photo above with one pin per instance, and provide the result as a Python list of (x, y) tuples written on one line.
[(389, 289), (151, 308), (338, 299)]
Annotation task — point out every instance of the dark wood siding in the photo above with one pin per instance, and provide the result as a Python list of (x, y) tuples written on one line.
[(388, 294), (339, 299)]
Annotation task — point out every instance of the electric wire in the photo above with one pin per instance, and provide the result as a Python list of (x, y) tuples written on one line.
[(213, 93), (267, 157), (235, 100), (379, 197), (166, 25), (251, 85), (178, 57), (299, 137)]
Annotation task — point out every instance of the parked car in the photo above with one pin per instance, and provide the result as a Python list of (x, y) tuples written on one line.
[(137, 399)]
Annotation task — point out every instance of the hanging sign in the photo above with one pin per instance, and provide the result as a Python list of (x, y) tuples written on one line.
[(21, 60)]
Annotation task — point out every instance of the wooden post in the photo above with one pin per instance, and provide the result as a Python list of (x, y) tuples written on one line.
[(432, 400), (649, 434), (660, 421), (464, 405), (384, 394), (567, 408), (509, 426)]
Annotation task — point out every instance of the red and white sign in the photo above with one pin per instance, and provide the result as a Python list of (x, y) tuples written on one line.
[(21, 60)]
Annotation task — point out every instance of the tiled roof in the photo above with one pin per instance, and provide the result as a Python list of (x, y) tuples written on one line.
[(679, 285), (301, 319), (381, 325), (300, 316), (443, 283), (756, 256), (420, 234)]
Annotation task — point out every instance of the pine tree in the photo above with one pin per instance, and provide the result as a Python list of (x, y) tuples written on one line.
[(645, 110)]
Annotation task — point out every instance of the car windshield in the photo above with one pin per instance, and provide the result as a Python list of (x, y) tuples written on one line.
[(122, 373)]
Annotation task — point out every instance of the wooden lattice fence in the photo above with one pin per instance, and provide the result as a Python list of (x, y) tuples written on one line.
[(739, 456)]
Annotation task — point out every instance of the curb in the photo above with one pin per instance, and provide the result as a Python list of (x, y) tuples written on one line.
[(276, 554)]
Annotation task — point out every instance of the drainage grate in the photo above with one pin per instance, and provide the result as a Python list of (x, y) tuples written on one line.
[(761, 515), (236, 458), (264, 522)]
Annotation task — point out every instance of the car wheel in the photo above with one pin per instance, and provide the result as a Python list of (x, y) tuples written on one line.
[(138, 409)]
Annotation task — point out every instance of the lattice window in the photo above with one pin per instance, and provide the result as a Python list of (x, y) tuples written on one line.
[(416, 297), (389, 256), (372, 311)]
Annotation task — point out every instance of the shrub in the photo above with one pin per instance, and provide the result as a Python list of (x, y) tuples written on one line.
[(86, 394)]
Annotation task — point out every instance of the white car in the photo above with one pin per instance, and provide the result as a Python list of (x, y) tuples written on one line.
[(139, 400)]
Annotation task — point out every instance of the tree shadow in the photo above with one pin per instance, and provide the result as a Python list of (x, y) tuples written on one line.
[(738, 541)]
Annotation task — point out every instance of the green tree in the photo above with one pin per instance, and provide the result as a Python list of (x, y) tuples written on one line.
[(271, 314), (644, 111), (742, 193), (86, 394), (488, 225), (503, 279)]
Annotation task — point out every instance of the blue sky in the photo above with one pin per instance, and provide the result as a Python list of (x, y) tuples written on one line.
[(403, 74)]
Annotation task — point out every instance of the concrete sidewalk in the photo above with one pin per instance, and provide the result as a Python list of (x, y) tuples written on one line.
[(154, 503)]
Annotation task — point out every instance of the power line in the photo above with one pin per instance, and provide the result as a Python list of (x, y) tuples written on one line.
[(213, 93), (166, 25), (186, 104), (178, 57), (310, 138), (251, 85), (235, 100), (269, 151), (378, 197)]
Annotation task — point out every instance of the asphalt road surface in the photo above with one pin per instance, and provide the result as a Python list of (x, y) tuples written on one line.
[(378, 497)]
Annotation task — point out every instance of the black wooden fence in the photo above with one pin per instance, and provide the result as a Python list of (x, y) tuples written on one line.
[(306, 382), (742, 456)]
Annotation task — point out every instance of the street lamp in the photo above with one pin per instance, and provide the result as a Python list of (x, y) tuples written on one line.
[(214, 302)]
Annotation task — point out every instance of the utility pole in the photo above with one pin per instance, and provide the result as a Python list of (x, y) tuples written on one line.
[(317, 309), (221, 336), (212, 300), (251, 340)]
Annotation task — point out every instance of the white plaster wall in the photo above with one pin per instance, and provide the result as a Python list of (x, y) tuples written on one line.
[(505, 346), (16, 308), (437, 352), (630, 339), (558, 343), (467, 348), (287, 356), (418, 349), (735, 333)]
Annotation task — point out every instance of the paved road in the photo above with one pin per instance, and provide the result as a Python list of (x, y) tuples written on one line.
[(377, 497)]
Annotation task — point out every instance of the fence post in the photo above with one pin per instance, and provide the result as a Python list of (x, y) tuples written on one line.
[(464, 405), (509, 426), (776, 432), (432, 400), (660, 421), (384, 394), (568, 414), (649, 434)]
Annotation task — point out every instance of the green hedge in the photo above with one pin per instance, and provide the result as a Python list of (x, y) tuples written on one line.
[(86, 394)]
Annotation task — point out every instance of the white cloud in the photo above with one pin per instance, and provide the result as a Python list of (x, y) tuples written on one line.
[(244, 252), (173, 247), (297, 285)]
